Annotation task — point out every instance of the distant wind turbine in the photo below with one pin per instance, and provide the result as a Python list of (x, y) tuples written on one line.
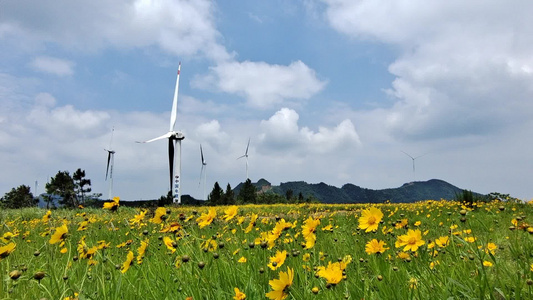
[(413, 158), (174, 143), (246, 156), (110, 164), (203, 170)]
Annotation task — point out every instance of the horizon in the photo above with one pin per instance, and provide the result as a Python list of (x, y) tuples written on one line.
[(326, 91)]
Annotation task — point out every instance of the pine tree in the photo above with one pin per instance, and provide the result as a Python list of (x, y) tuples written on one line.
[(216, 195), (229, 196), (63, 185), (247, 193)]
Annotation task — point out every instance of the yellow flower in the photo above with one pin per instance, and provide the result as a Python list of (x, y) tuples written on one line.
[(59, 235), (403, 255), (375, 246), (113, 205), (442, 241), (138, 218), (280, 286), (277, 260), (230, 213), (253, 219), (141, 250), (170, 243), (531, 267), (239, 295), (209, 245), (172, 227), (242, 259), (412, 240), (63, 250), (306, 257), (206, 219), (487, 264), (370, 219), (126, 265), (332, 274), (158, 216), (8, 236), (308, 232), (401, 224), (83, 226), (6, 250), (413, 283), (46, 217), (491, 248)]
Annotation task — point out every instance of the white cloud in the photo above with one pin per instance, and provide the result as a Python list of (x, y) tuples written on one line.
[(176, 27), (52, 65), (263, 85), (281, 133), (463, 68)]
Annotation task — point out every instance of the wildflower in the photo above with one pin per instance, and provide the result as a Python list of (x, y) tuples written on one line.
[(403, 255), (277, 260), (417, 223), (308, 232), (59, 235), (6, 237), (306, 257), (401, 224), (172, 227), (433, 264), (158, 216), (141, 250), (46, 217), (413, 283), (6, 250), (412, 240), (230, 213), (209, 245), (113, 205), (126, 265), (137, 219), (242, 259), (491, 248), (487, 264), (171, 244), (206, 219), (442, 241), (280, 286), (63, 250), (332, 273), (531, 267), (370, 219), (239, 295), (253, 219), (375, 246), (83, 226)]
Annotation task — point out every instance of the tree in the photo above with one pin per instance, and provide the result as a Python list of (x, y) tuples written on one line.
[(165, 200), (81, 185), (288, 195), (63, 185), (18, 198), (216, 195), (247, 193), (229, 196)]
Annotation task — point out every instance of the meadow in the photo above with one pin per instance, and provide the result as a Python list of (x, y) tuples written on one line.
[(424, 250)]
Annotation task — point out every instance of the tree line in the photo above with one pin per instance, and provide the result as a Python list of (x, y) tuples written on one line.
[(70, 191)]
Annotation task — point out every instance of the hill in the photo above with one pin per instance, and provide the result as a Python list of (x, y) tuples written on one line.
[(433, 189)]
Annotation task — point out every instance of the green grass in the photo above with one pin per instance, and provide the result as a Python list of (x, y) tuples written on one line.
[(458, 273)]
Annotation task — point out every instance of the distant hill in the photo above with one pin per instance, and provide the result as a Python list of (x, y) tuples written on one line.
[(433, 189)]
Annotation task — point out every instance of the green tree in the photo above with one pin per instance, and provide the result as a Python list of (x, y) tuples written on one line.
[(216, 195), (288, 195), (229, 196), (82, 185), (18, 198), (165, 200), (63, 185), (247, 193)]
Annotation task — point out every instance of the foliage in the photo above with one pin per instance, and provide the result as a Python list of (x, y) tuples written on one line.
[(426, 250), (63, 185), (247, 193), (18, 198), (82, 185), (216, 196)]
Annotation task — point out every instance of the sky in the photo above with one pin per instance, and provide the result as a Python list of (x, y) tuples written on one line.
[(333, 91)]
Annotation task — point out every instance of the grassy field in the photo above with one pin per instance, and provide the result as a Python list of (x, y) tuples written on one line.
[(427, 250)]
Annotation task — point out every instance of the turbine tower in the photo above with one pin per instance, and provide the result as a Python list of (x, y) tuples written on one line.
[(110, 164), (203, 171), (174, 147), (246, 156), (413, 158)]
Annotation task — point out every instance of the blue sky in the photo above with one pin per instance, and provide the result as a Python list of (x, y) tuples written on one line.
[(328, 91)]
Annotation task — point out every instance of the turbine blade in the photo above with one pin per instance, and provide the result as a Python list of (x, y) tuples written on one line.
[(202, 154), (174, 112), (201, 172), (171, 160), (108, 160), (247, 146), (164, 136), (407, 154)]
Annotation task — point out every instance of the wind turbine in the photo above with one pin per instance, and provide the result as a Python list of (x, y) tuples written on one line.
[(203, 170), (246, 156), (174, 145), (110, 164), (413, 158)]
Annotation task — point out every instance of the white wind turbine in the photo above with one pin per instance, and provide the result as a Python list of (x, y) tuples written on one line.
[(174, 139), (110, 164), (246, 156), (413, 158), (203, 171)]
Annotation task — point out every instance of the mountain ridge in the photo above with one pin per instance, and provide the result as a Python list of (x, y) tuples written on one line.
[(433, 189)]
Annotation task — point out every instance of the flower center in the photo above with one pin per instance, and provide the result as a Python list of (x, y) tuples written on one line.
[(371, 220)]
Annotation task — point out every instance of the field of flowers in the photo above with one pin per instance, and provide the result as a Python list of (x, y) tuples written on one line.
[(427, 250)]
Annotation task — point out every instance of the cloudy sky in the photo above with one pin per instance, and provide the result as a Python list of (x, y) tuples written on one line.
[(327, 91)]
